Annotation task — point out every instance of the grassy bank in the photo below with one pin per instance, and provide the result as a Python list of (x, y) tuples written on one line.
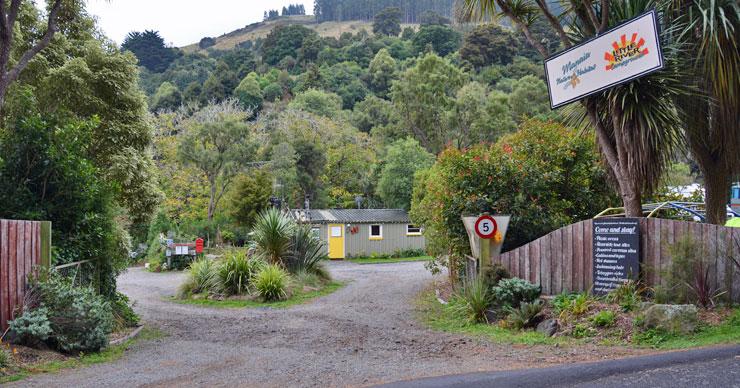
[(299, 297), (112, 353)]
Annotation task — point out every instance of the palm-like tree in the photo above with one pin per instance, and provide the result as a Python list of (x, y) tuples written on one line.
[(273, 231), (636, 124), (710, 114)]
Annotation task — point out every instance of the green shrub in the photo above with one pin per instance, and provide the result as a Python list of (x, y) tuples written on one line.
[(472, 301), (689, 272), (272, 233), (307, 251), (528, 315), (4, 358), (123, 313), (236, 272), (512, 292), (80, 320), (272, 283), (604, 318), (202, 277), (495, 274), (562, 301), (627, 296), (574, 305), (581, 331)]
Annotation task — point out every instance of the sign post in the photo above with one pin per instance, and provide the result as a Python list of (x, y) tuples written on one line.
[(486, 228), (616, 253), (625, 52)]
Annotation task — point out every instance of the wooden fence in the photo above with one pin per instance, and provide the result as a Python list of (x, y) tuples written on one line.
[(562, 261), (24, 245)]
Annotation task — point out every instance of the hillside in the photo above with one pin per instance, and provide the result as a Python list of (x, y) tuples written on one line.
[(261, 29)]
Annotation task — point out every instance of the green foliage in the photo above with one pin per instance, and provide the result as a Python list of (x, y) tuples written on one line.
[(341, 10), (203, 277), (388, 22), (236, 272), (381, 72), (430, 17), (478, 116), (272, 234), (573, 305), (167, 97), (318, 102), (442, 39), (123, 313), (272, 92), (284, 41), (307, 252), (581, 330), (687, 277), (527, 316), (249, 93), (514, 291), (149, 48), (562, 302), (545, 175), (403, 158), (250, 195), (271, 283), (604, 318), (486, 45), (627, 296), (422, 95), (5, 358), (80, 320), (472, 301), (529, 98), (495, 274)]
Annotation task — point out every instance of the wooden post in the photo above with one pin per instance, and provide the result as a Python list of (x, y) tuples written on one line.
[(46, 244), (484, 261)]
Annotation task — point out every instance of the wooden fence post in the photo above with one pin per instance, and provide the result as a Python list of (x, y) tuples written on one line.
[(46, 244)]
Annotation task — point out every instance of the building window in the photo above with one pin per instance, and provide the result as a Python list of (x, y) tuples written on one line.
[(376, 232), (335, 231), (413, 230), (316, 232)]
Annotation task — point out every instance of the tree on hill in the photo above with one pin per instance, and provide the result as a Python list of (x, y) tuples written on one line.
[(411, 10), (206, 42), (250, 196), (388, 22), (430, 17), (150, 49), (284, 41), (403, 159), (486, 45), (249, 93), (443, 39), (381, 72), (167, 97)]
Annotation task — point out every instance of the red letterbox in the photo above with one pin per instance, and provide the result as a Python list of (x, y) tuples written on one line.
[(199, 245)]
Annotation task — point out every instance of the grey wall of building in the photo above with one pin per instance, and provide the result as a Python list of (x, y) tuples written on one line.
[(360, 244)]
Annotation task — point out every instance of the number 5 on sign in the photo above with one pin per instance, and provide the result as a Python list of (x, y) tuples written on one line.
[(486, 226)]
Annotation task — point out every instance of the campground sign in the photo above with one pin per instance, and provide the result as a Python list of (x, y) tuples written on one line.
[(626, 52)]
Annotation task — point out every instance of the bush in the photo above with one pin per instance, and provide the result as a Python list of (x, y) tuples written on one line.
[(576, 305), (79, 319), (272, 233), (528, 315), (688, 275), (495, 274), (581, 331), (562, 301), (123, 313), (307, 252), (202, 277), (512, 292), (627, 296), (236, 272), (604, 318), (4, 359), (472, 301), (272, 283)]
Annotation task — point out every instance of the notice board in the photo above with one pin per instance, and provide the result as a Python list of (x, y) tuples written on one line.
[(616, 248)]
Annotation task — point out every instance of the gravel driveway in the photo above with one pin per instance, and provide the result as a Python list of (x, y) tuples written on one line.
[(363, 334)]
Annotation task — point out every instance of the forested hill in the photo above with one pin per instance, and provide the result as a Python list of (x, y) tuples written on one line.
[(343, 10)]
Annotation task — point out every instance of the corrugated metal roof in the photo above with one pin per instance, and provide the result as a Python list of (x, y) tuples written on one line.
[(360, 216)]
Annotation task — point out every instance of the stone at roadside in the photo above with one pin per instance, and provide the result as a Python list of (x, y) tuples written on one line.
[(675, 318), (548, 327)]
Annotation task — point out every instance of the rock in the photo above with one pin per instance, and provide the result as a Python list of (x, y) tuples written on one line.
[(645, 305), (675, 318), (548, 327), (492, 316)]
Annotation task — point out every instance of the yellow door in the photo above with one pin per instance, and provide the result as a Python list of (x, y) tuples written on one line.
[(336, 241)]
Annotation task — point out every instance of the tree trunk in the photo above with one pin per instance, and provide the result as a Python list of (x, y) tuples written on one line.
[(717, 184), (631, 198), (212, 201)]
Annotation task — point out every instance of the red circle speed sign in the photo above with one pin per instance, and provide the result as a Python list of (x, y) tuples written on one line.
[(485, 226)]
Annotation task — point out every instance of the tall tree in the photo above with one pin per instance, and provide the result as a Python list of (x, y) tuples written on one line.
[(150, 49), (636, 125), (218, 142), (388, 22), (403, 159), (711, 113), (9, 11)]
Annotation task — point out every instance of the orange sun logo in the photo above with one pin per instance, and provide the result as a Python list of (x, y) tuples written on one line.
[(625, 51)]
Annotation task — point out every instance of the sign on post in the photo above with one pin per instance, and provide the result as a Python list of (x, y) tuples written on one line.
[(486, 226), (616, 252), (625, 52)]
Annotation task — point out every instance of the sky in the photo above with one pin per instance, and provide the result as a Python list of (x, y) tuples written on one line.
[(181, 22)]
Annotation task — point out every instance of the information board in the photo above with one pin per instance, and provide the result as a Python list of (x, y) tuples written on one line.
[(616, 254), (626, 52)]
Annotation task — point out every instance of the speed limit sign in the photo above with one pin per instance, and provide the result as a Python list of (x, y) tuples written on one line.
[(485, 226)]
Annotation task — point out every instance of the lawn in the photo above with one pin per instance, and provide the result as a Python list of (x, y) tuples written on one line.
[(109, 354), (297, 298), (726, 333), (378, 260)]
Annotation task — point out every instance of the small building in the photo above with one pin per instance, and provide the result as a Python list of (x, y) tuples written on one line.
[(363, 232)]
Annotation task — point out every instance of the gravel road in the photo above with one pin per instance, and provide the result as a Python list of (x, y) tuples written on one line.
[(363, 334)]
